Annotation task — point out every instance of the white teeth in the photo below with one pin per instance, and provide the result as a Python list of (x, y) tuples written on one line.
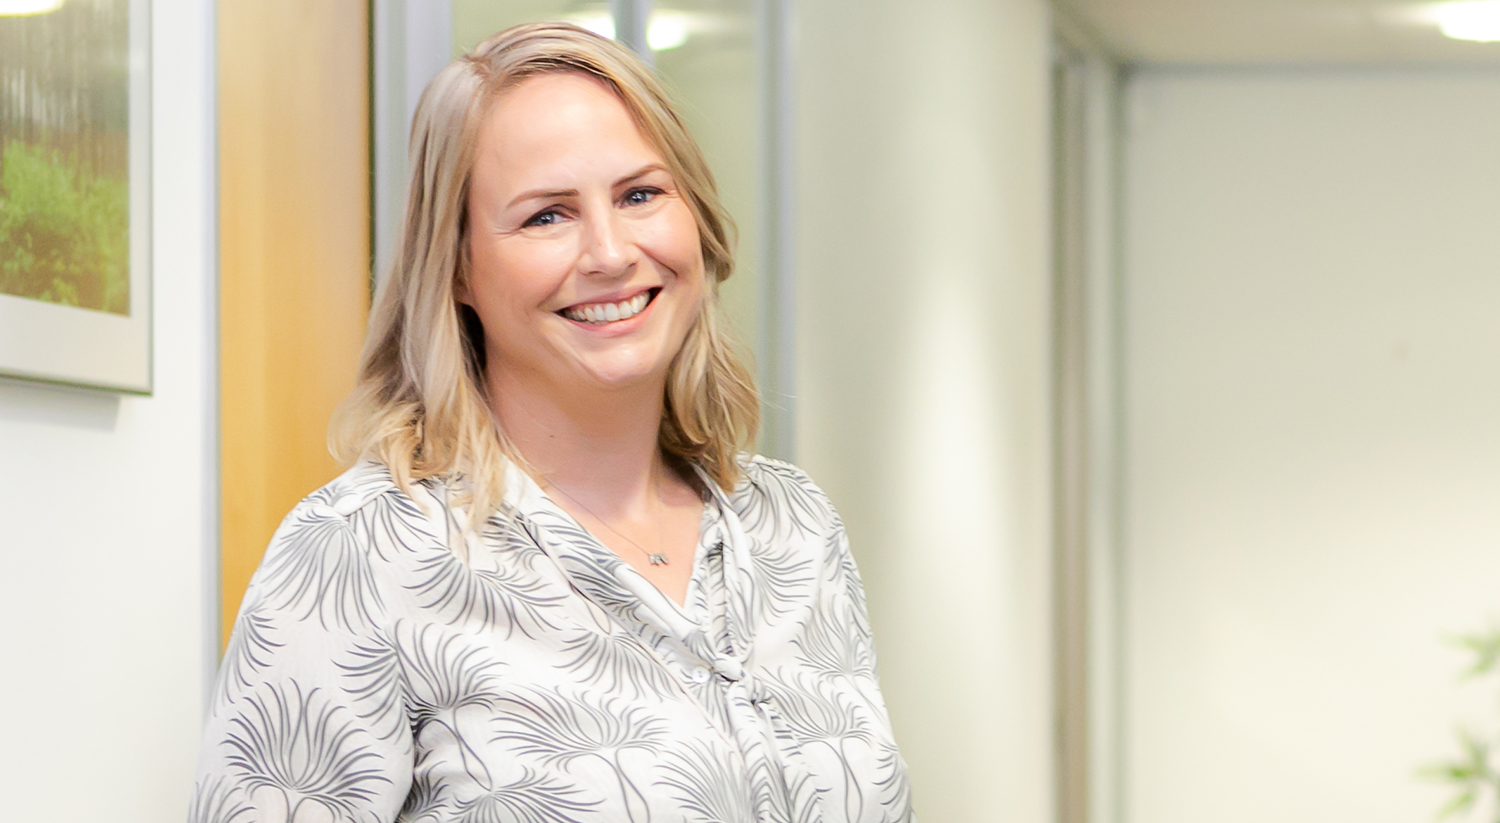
[(609, 312)]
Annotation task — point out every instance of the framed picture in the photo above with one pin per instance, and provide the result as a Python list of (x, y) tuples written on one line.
[(75, 193)]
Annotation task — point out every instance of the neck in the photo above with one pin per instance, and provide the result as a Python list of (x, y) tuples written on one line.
[(600, 447)]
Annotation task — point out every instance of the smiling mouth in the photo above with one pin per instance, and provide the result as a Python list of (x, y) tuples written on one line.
[(598, 314)]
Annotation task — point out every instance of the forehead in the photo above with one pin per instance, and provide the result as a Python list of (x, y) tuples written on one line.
[(566, 118)]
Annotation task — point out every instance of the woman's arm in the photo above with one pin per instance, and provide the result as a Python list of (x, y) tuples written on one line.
[(846, 615), (307, 720)]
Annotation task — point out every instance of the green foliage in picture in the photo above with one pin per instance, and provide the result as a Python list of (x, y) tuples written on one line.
[(1473, 775), (64, 234)]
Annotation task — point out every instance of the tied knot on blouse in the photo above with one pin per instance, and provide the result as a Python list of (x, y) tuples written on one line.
[(391, 663)]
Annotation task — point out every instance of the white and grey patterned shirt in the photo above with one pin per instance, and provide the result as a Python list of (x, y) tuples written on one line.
[(375, 676)]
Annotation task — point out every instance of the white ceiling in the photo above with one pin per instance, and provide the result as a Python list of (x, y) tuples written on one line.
[(1274, 32)]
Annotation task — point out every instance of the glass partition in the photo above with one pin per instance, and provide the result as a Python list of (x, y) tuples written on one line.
[(707, 58)]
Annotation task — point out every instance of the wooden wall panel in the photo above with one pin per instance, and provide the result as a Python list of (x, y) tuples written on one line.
[(294, 246)]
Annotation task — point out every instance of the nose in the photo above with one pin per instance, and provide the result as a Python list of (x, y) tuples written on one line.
[(608, 249)]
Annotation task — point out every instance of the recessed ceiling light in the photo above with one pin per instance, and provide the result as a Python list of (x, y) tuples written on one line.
[(667, 31), (20, 8), (600, 24), (1478, 21)]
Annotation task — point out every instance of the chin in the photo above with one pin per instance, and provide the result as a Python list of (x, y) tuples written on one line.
[(626, 365), (616, 376), (616, 362)]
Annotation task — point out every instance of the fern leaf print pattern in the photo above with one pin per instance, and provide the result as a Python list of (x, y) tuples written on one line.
[(394, 664)]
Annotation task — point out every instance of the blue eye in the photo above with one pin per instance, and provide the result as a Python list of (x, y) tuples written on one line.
[(546, 218), (638, 197)]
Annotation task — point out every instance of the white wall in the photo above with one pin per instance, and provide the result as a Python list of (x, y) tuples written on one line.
[(107, 516), (1312, 279), (923, 389)]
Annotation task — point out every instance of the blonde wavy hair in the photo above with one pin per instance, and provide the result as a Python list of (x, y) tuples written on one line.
[(419, 402)]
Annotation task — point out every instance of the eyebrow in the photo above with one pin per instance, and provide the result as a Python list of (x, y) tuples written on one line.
[(543, 194)]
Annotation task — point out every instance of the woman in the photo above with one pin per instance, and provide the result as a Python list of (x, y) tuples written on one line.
[(551, 590)]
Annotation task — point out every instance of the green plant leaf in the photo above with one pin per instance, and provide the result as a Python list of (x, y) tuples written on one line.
[(1485, 647), (1448, 772), (1461, 803)]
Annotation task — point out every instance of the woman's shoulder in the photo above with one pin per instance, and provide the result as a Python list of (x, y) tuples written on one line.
[(758, 467), (356, 487), (359, 486), (365, 485), (784, 490)]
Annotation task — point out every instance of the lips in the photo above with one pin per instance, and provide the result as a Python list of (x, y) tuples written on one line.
[(598, 314)]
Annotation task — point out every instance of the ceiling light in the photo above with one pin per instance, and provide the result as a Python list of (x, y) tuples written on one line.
[(1471, 21), (667, 31), (20, 8), (600, 24)]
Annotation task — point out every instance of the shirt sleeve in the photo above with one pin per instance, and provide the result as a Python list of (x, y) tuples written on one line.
[(307, 720), (892, 786)]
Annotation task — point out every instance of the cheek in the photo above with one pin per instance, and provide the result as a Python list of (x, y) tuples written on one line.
[(514, 278), (674, 242)]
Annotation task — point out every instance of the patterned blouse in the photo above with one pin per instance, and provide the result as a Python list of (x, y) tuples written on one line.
[(391, 664)]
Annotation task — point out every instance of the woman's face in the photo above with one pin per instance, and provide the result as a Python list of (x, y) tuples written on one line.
[(586, 270)]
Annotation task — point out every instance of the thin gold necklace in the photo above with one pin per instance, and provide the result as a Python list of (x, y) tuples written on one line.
[(656, 558)]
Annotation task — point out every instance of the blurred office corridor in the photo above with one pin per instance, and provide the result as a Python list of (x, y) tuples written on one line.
[(1148, 349)]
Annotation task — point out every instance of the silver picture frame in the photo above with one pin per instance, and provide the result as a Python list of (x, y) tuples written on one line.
[(47, 341)]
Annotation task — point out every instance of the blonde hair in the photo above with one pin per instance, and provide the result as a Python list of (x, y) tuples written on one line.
[(419, 402)]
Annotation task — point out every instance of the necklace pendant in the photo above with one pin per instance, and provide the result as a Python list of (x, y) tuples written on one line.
[(657, 559)]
